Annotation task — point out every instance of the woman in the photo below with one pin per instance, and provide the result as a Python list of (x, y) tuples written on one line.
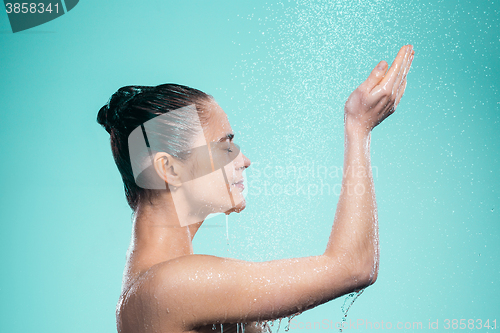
[(174, 148)]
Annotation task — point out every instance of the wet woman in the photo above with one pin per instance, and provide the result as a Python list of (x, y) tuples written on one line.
[(175, 150)]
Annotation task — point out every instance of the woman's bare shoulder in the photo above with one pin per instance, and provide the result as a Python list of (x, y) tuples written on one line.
[(159, 290), (164, 290)]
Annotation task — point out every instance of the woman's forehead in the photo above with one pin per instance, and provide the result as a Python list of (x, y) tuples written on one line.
[(218, 123), (215, 125)]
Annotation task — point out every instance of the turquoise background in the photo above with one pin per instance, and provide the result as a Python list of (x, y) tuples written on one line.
[(282, 71)]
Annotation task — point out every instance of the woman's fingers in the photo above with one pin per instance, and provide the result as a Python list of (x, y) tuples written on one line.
[(375, 76), (400, 93), (390, 80), (377, 97), (404, 69), (402, 85), (401, 75)]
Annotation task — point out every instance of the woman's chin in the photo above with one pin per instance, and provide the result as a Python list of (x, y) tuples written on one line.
[(236, 209)]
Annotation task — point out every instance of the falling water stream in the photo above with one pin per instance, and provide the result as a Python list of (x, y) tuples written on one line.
[(227, 231), (354, 296)]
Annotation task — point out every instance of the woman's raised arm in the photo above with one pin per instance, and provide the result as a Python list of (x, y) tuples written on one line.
[(196, 290)]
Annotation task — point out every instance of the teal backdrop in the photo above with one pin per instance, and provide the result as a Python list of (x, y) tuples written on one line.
[(282, 71)]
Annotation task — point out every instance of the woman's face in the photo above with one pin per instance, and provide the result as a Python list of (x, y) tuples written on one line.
[(217, 185)]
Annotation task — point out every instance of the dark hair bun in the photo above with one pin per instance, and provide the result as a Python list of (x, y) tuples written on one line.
[(110, 114)]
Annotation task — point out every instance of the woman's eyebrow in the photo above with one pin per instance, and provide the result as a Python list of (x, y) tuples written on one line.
[(229, 136)]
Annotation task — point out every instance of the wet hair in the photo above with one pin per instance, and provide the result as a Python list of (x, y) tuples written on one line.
[(130, 107)]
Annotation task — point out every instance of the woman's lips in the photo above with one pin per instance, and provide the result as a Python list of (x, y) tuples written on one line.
[(240, 185)]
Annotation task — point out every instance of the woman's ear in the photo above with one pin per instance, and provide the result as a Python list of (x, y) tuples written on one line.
[(168, 169)]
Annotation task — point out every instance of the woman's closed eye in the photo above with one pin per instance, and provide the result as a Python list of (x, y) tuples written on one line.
[(231, 147)]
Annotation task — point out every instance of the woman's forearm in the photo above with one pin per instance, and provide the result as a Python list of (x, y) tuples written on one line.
[(354, 237)]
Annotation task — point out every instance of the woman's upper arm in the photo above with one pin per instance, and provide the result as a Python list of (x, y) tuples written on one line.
[(198, 290)]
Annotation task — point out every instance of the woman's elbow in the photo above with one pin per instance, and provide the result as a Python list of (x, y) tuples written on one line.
[(368, 274), (359, 272), (363, 271)]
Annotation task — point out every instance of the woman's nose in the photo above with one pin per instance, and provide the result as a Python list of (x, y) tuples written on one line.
[(246, 161)]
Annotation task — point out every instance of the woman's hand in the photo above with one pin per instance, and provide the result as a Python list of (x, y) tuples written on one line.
[(377, 97)]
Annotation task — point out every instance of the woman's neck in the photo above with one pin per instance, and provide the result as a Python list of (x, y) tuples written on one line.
[(157, 236)]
